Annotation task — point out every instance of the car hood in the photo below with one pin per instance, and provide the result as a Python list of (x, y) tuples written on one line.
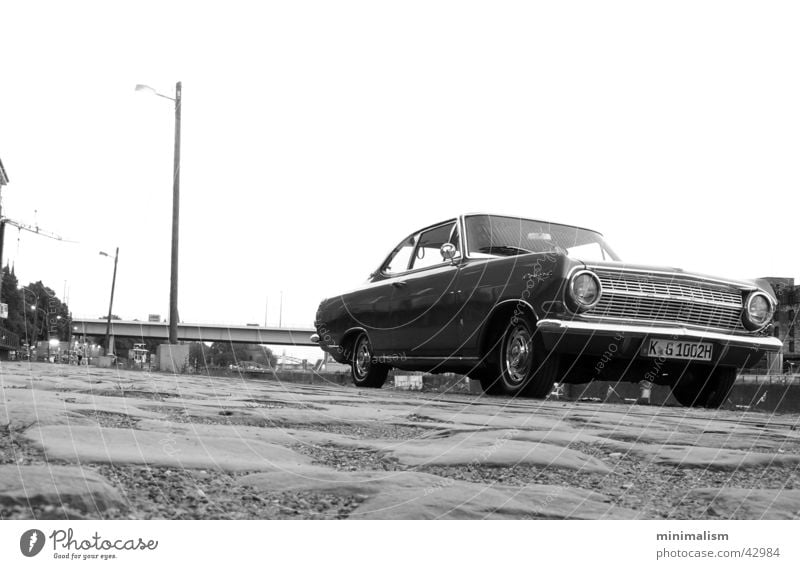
[(620, 266)]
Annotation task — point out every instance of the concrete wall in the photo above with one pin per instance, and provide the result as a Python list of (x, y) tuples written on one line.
[(173, 358)]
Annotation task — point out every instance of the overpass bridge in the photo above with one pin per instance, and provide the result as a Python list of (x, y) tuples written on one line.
[(195, 332)]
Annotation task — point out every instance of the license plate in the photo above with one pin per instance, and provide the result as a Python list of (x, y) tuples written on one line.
[(678, 350)]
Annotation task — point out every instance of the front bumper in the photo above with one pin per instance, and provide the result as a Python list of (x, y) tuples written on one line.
[(626, 340)]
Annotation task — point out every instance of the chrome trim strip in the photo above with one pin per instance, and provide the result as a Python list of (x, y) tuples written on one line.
[(590, 327), (434, 358)]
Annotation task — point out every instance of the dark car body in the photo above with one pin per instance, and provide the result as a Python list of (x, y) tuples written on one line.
[(463, 314)]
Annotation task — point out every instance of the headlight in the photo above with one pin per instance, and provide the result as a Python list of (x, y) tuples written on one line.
[(584, 290), (758, 311)]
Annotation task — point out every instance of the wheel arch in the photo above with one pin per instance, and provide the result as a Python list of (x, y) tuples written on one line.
[(501, 315), (349, 338)]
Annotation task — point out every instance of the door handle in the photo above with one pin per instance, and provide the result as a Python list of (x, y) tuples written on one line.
[(399, 284)]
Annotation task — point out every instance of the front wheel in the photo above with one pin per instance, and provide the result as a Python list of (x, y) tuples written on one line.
[(365, 370), (520, 364)]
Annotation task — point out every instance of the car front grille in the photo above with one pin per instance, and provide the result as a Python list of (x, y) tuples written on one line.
[(655, 298)]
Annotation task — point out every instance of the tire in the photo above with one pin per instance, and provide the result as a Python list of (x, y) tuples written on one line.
[(719, 387), (520, 364), (705, 390), (365, 371), (689, 391)]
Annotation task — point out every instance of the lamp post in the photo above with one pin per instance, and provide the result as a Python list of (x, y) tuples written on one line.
[(176, 179), (111, 302), (34, 307)]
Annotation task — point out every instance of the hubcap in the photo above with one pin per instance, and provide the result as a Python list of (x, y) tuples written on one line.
[(363, 358), (518, 354)]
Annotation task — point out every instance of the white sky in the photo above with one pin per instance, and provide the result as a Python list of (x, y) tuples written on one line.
[(317, 134)]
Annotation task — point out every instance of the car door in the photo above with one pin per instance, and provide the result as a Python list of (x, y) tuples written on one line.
[(424, 303), (370, 307)]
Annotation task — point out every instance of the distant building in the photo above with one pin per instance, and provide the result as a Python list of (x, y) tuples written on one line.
[(784, 328), (3, 175)]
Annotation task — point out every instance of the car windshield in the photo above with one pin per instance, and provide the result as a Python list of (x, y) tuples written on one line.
[(493, 236)]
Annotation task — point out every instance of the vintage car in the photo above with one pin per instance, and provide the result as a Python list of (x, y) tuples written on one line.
[(521, 305)]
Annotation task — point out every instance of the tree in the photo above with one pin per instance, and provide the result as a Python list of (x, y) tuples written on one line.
[(32, 309), (16, 309), (199, 355), (226, 353)]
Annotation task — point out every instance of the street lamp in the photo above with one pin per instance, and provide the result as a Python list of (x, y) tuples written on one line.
[(176, 178), (111, 302), (36, 309), (33, 307)]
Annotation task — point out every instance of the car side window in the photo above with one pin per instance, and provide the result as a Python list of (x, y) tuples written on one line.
[(399, 261), (428, 252)]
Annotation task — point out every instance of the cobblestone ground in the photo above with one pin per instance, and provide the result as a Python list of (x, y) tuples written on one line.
[(88, 443)]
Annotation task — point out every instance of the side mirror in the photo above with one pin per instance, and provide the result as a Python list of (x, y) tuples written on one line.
[(448, 251)]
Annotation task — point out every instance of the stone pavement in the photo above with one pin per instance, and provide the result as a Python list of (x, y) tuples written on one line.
[(79, 439)]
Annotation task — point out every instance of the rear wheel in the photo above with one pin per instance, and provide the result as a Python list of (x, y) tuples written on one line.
[(365, 370), (519, 363)]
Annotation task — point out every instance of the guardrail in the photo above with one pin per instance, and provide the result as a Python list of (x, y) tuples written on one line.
[(769, 379), (196, 332)]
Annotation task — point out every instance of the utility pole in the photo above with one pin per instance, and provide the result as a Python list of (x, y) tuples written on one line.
[(3, 182), (111, 302), (176, 183)]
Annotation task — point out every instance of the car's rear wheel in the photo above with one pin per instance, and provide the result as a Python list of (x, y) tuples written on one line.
[(520, 364), (365, 370), (698, 389)]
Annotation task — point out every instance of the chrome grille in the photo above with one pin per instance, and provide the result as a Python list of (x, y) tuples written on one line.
[(655, 298)]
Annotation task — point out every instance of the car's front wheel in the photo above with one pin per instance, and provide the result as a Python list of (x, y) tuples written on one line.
[(365, 370), (520, 364)]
